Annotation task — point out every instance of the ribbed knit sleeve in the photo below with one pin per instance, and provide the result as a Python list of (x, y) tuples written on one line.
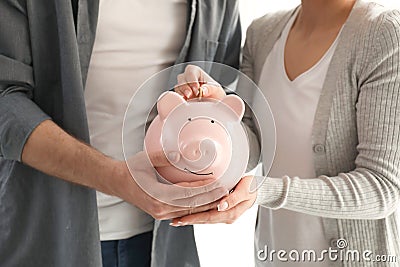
[(372, 189)]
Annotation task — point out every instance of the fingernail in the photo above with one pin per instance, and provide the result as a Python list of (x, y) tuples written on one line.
[(182, 224), (173, 156), (187, 93), (223, 206), (176, 224)]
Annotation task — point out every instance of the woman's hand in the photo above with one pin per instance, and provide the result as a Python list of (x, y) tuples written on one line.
[(229, 208), (195, 82)]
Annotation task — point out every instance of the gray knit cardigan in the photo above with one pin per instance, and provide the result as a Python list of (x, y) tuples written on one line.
[(355, 137)]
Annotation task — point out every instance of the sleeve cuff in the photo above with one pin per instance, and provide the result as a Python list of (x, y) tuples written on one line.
[(273, 192), (19, 116)]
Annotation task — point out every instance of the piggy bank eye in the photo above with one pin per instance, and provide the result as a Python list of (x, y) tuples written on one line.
[(212, 121), (189, 119)]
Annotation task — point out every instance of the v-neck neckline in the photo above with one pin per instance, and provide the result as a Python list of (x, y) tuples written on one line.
[(282, 46)]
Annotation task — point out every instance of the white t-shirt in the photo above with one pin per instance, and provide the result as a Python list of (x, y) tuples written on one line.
[(293, 104), (134, 40)]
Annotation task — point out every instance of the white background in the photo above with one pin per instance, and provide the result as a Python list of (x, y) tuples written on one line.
[(232, 245)]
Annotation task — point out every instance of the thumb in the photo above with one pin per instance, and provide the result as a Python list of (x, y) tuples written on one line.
[(213, 91), (159, 159), (240, 193)]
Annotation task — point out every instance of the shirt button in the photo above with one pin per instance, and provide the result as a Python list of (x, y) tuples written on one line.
[(319, 149)]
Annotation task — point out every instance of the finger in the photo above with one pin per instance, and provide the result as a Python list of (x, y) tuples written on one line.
[(193, 78), (204, 189), (178, 212), (213, 91), (189, 190), (209, 216), (188, 85), (186, 196), (196, 183), (183, 88), (200, 199), (212, 216), (240, 194), (159, 159)]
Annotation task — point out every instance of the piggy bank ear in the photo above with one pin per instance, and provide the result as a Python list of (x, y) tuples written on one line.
[(236, 104), (167, 102)]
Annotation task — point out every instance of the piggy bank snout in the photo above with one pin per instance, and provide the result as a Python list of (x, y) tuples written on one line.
[(199, 154)]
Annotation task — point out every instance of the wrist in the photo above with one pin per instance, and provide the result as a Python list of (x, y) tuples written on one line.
[(113, 182)]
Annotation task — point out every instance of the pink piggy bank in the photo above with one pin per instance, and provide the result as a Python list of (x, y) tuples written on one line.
[(203, 132)]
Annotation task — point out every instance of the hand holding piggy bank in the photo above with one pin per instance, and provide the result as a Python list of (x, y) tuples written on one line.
[(207, 134)]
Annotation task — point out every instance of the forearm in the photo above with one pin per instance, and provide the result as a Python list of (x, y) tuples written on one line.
[(54, 152), (51, 150), (360, 194)]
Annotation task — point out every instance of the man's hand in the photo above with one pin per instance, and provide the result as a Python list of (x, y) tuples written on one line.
[(161, 200), (51, 150)]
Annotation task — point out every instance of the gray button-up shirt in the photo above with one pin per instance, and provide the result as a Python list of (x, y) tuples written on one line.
[(44, 60)]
